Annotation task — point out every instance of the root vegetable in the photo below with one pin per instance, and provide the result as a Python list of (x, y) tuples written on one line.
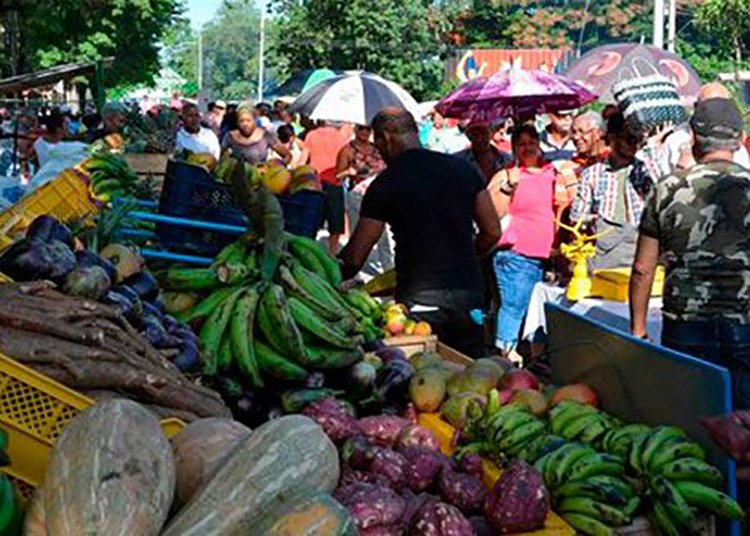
[(439, 519), (463, 491), (383, 430), (370, 505)]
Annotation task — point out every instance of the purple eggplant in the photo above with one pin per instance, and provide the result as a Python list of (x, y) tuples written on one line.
[(145, 285), (189, 358), (46, 228), (25, 261)]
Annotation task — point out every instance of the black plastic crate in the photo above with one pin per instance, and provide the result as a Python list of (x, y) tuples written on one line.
[(190, 192)]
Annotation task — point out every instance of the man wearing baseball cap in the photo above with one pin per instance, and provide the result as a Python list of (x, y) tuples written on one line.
[(698, 220)]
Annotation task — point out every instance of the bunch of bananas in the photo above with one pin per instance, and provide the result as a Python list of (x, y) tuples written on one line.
[(110, 175), (679, 480), (581, 422), (587, 487), (11, 514), (281, 326)]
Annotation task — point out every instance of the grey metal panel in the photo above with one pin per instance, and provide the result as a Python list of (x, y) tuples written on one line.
[(638, 381)]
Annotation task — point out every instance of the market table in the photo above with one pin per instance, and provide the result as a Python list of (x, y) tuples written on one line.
[(611, 313)]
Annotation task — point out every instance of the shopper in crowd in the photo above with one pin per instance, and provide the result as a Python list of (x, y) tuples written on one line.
[(501, 133), (54, 134), (324, 144), (611, 193), (252, 143), (216, 112), (229, 122), (298, 153), (556, 140), (432, 203), (523, 196), (482, 154), (192, 136), (263, 115), (445, 136), (698, 221), (114, 119)]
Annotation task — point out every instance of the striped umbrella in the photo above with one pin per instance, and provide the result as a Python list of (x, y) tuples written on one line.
[(353, 98)]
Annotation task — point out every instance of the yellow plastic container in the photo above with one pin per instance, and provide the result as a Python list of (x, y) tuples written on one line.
[(34, 410), (554, 525), (612, 284), (66, 198)]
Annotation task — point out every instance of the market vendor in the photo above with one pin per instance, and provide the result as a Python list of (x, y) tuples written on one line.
[(611, 193), (192, 136), (431, 201), (114, 120), (698, 221)]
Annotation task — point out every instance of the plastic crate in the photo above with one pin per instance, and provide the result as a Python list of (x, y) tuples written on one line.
[(34, 410), (189, 192), (66, 198)]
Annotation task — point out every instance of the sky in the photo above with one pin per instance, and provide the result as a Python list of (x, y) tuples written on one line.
[(201, 11)]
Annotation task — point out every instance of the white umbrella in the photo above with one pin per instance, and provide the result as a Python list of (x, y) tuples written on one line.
[(353, 98)]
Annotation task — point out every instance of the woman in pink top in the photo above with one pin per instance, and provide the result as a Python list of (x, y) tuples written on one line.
[(524, 197)]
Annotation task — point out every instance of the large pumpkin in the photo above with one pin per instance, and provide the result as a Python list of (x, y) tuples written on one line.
[(111, 473), (279, 463)]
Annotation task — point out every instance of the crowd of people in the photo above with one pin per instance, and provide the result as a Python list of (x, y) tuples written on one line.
[(414, 192)]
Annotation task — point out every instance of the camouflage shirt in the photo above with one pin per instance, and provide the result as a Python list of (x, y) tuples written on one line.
[(701, 217)]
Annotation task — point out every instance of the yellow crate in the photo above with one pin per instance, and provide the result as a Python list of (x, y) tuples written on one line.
[(66, 198), (34, 410), (612, 284)]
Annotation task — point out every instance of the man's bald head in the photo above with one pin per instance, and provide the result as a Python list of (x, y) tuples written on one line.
[(714, 90), (395, 131)]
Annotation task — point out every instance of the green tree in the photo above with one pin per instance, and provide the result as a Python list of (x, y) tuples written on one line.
[(402, 41), (61, 31), (729, 20)]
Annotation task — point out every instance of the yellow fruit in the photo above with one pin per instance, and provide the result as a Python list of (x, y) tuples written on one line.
[(396, 325), (422, 329), (304, 178), (277, 179), (409, 327), (202, 159)]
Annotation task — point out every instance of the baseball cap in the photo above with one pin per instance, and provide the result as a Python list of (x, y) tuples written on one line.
[(717, 118), (220, 104)]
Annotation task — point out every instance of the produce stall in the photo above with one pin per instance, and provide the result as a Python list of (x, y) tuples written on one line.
[(305, 406)]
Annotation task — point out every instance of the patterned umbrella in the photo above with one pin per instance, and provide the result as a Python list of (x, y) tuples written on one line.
[(353, 98), (513, 93), (601, 68)]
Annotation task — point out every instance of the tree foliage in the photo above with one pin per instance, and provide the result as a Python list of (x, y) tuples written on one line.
[(51, 32), (729, 20), (396, 39)]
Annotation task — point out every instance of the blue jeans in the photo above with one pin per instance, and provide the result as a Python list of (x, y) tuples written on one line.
[(516, 277), (720, 341)]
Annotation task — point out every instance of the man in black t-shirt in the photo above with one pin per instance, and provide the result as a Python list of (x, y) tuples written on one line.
[(431, 201)]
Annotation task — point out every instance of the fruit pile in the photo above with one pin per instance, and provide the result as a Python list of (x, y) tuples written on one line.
[(273, 175), (396, 321), (277, 323)]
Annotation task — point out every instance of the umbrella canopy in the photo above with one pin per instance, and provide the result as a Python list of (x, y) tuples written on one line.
[(601, 68), (353, 98), (316, 77), (513, 93)]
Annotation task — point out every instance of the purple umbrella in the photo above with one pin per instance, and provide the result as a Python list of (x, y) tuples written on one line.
[(515, 93), (601, 68)]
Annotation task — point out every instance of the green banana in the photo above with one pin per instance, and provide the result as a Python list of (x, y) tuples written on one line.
[(634, 456), (212, 331), (224, 357), (295, 289), (600, 491), (596, 464), (515, 440), (277, 324), (542, 463), (565, 462), (609, 515), (677, 508), (692, 470), (274, 236), (310, 322), (275, 365), (587, 525), (320, 289), (594, 432), (541, 446), (576, 427), (494, 422), (622, 438), (330, 266), (205, 307), (510, 423), (675, 449), (661, 520), (233, 273), (234, 253), (330, 358), (705, 498), (354, 298), (566, 412), (241, 329), (656, 440), (631, 508), (191, 278)]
